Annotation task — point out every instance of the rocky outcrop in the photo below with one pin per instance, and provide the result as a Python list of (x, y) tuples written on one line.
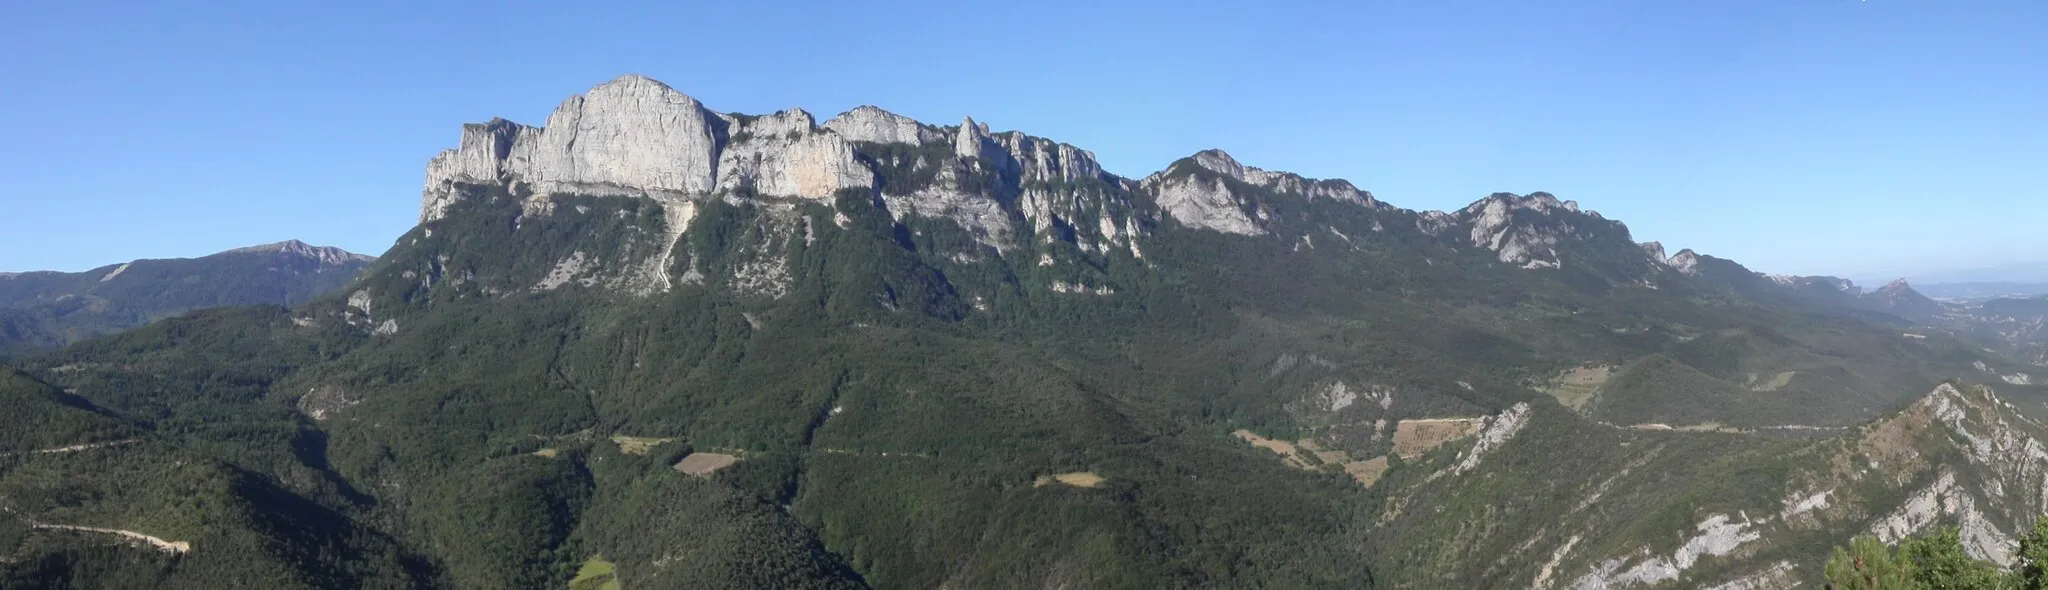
[(1717, 535), (1898, 298), (874, 125), (1282, 182), (1211, 190), (636, 136), (1507, 224), (1493, 434), (784, 155), (325, 255), (632, 133), (1686, 262), (1206, 203)]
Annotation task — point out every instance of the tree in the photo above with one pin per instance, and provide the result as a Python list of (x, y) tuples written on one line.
[(1937, 562), (2031, 567), (1868, 565)]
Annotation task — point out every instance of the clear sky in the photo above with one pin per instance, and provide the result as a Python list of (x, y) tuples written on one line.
[(1860, 138)]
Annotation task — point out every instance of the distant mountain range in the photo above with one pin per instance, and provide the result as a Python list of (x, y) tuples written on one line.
[(657, 345), (2018, 272), (1981, 291), (49, 309)]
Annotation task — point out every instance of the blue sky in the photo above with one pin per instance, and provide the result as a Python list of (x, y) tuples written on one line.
[(1860, 138)]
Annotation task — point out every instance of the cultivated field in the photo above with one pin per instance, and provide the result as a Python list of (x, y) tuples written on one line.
[(1575, 387), (637, 445), (1079, 479), (704, 464), (1412, 438)]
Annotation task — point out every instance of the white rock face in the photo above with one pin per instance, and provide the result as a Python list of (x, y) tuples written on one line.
[(1797, 505), (1718, 535), (1206, 204), (1494, 227), (1496, 432), (2016, 464), (1041, 159), (872, 124), (1686, 262), (1219, 162), (971, 140), (783, 156), (630, 132), (636, 136), (1206, 200), (980, 214)]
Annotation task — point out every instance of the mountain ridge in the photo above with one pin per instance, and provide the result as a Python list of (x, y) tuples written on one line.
[(992, 183), (41, 309), (954, 357)]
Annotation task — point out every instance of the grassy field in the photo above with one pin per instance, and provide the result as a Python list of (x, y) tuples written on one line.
[(1575, 387), (1282, 448), (1412, 438), (1368, 471), (637, 445), (1079, 479), (705, 464), (596, 574)]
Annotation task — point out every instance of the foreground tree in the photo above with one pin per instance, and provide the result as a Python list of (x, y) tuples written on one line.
[(1937, 561), (2032, 570), (1867, 565)]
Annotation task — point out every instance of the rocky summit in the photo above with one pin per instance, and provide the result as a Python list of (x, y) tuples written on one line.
[(42, 310), (634, 136), (651, 345)]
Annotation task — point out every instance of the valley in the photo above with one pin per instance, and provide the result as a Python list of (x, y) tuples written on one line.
[(649, 344)]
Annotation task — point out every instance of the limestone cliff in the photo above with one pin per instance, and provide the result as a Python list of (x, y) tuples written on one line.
[(634, 136)]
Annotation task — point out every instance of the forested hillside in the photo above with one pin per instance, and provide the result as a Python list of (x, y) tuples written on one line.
[(878, 353), (44, 310)]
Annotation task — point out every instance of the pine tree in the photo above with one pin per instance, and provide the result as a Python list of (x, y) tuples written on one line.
[(1867, 565)]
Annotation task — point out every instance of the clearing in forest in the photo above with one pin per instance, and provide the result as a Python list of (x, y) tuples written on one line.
[(704, 464), (1776, 382), (1308, 455), (596, 574), (546, 453), (637, 445), (1367, 471), (1079, 479), (1412, 438), (1575, 387), (1320, 454), (1279, 447)]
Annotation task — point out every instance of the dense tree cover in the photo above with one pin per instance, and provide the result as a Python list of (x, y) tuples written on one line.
[(41, 310), (1936, 560), (894, 392)]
